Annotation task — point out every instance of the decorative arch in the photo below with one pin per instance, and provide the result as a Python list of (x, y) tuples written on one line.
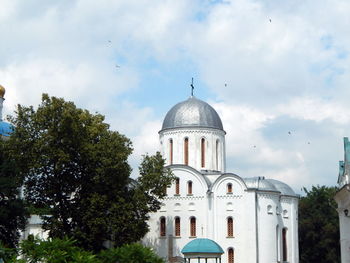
[(229, 178)]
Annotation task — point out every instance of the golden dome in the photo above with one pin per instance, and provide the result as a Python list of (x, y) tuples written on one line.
[(2, 91)]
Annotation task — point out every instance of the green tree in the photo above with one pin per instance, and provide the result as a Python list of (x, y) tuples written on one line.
[(12, 210), (319, 226), (76, 170)]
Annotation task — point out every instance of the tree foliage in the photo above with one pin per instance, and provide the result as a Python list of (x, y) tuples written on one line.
[(135, 253), (55, 250), (65, 250), (12, 210), (319, 226), (77, 170)]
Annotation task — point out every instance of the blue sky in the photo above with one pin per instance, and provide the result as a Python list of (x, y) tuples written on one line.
[(268, 68)]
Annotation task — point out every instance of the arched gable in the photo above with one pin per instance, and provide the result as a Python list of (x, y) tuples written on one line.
[(220, 186), (200, 184)]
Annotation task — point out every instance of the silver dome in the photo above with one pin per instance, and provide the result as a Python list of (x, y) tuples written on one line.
[(192, 113), (260, 183), (282, 187)]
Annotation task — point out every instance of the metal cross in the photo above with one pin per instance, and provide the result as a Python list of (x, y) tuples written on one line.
[(192, 88)]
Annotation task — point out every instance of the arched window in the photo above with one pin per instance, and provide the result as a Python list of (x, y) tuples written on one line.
[(162, 227), (186, 151), (171, 151), (189, 187), (203, 152), (217, 155), (231, 256), (177, 226), (229, 227), (177, 186), (229, 188), (284, 244), (193, 227)]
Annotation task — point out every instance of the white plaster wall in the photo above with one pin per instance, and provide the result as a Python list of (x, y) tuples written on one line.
[(289, 215), (184, 206), (194, 136), (268, 221), (240, 206)]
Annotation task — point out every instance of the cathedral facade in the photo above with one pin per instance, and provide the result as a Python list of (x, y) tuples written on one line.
[(253, 219)]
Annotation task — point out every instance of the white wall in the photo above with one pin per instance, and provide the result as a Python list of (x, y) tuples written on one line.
[(194, 136)]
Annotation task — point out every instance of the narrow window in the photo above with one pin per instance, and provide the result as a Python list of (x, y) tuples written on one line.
[(177, 226), (230, 227), (177, 186), (284, 244), (162, 227), (229, 188), (186, 151), (230, 258), (193, 226), (203, 152), (189, 187), (217, 155), (171, 151)]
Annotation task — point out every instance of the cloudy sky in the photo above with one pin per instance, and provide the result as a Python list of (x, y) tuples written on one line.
[(277, 72)]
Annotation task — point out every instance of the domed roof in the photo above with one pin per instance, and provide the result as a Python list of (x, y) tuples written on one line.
[(2, 91), (5, 128), (260, 183), (282, 187), (192, 113), (202, 245)]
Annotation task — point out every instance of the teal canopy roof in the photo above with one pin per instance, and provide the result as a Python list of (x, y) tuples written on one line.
[(202, 245)]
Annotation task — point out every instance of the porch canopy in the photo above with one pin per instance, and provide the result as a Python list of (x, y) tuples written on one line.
[(202, 248)]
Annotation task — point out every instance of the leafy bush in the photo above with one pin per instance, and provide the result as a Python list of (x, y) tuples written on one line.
[(54, 250), (130, 253), (35, 250), (7, 254)]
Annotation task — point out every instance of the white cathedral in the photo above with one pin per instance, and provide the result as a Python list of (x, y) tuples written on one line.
[(249, 220)]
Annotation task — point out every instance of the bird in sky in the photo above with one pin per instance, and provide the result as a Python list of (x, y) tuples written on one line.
[(225, 84), (109, 41), (289, 133), (117, 66), (270, 20)]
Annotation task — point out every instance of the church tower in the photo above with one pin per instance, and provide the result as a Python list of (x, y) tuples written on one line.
[(192, 134)]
